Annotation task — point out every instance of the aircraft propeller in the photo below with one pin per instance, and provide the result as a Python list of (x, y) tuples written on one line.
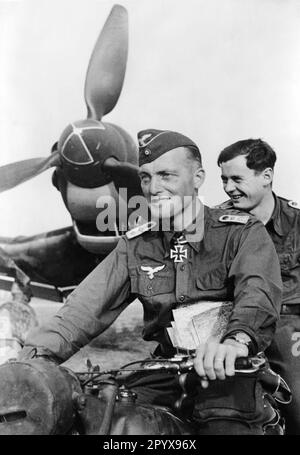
[(85, 145)]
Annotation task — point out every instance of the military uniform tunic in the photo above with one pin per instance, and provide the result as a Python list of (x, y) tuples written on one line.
[(235, 260), (284, 353), (284, 229)]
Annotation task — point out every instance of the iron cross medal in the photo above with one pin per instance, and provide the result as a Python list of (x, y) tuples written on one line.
[(179, 253)]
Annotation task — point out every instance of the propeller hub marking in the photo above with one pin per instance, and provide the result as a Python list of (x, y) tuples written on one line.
[(77, 131)]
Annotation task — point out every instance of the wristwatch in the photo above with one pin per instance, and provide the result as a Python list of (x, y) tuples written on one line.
[(243, 338)]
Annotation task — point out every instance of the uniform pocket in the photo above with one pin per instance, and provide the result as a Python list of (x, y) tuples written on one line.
[(215, 278), (289, 259), (148, 282)]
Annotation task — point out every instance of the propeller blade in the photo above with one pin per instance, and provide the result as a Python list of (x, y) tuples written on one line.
[(106, 71), (13, 174), (124, 175)]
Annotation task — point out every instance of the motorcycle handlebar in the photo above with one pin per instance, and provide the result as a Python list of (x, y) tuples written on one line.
[(178, 363), (242, 364)]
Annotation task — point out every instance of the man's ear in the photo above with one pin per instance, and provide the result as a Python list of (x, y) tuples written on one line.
[(199, 177), (268, 174)]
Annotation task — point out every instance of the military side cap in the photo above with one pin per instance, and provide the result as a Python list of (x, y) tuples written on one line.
[(154, 143)]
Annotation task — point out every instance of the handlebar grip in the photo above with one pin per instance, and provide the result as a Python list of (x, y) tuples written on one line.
[(243, 363)]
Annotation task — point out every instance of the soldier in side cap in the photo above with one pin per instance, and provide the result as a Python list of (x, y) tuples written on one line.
[(203, 255), (247, 168)]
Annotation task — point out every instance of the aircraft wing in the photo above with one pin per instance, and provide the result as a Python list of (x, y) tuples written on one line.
[(39, 290), (52, 264)]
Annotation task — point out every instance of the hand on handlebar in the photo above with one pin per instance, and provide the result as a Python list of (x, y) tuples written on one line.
[(214, 360)]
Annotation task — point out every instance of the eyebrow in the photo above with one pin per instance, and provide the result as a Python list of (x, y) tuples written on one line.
[(231, 176), (163, 171), (167, 171), (143, 172)]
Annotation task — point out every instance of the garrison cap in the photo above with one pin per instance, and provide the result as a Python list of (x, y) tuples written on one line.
[(154, 143)]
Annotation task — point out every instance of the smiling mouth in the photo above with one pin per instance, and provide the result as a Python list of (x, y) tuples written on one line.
[(236, 197)]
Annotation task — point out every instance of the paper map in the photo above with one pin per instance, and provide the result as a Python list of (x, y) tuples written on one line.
[(197, 322)]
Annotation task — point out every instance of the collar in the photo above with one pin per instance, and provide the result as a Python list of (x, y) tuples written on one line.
[(276, 218), (193, 238)]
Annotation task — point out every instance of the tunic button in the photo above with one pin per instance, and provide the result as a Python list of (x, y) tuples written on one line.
[(149, 287), (181, 298), (182, 267)]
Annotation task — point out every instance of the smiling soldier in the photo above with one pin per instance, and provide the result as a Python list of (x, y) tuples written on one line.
[(192, 254), (247, 168)]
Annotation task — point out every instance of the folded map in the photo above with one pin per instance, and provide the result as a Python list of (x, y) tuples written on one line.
[(197, 322)]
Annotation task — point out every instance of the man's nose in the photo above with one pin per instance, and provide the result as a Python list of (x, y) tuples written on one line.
[(155, 186), (229, 186)]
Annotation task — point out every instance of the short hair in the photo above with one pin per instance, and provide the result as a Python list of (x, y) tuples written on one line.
[(194, 155), (259, 154)]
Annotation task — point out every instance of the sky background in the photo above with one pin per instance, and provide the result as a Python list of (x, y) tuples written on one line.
[(215, 70)]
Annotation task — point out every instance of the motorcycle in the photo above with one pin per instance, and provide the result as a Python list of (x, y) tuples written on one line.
[(39, 397)]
